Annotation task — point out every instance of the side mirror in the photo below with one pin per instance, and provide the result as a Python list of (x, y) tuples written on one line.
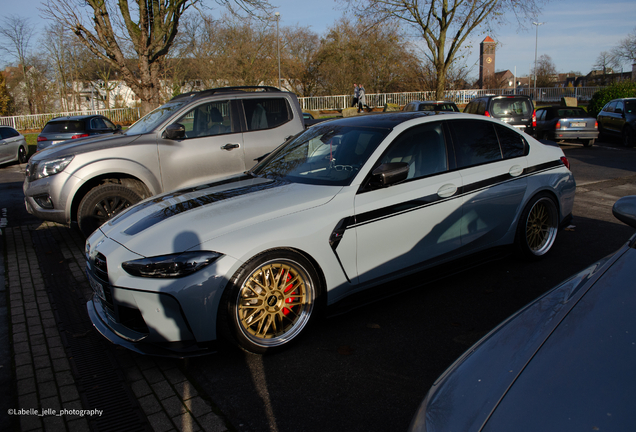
[(175, 131), (118, 128), (625, 210), (618, 110), (389, 174)]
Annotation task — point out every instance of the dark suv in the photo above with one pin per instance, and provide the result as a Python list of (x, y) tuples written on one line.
[(72, 127), (517, 110), (618, 118)]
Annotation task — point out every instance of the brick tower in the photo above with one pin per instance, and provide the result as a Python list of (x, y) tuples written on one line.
[(486, 62)]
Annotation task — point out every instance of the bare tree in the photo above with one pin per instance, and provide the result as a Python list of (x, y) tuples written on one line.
[(299, 64), (17, 34), (625, 52), (444, 25), (146, 27), (6, 100), (546, 71), (379, 59)]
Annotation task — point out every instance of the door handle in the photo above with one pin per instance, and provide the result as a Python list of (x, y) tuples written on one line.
[(447, 190), (230, 146)]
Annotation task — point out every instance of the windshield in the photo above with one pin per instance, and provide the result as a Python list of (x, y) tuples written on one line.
[(327, 154), (150, 121)]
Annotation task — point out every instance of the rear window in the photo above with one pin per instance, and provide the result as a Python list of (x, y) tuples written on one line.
[(438, 107), (511, 107), (66, 126), (630, 106), (572, 112)]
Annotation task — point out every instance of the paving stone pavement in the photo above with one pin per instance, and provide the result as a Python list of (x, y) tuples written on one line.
[(68, 377)]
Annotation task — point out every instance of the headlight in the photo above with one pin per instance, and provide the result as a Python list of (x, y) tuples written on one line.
[(48, 168), (170, 266)]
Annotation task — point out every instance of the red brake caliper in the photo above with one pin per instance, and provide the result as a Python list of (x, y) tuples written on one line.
[(286, 311)]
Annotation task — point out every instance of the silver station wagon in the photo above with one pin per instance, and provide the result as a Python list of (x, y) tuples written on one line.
[(346, 205)]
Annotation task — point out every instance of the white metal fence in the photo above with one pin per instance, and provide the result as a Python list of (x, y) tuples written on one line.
[(542, 95), (37, 121), (325, 103)]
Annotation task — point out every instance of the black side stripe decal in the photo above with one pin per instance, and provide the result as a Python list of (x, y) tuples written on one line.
[(419, 203)]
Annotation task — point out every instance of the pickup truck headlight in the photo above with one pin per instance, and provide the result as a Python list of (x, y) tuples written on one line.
[(170, 266), (48, 168)]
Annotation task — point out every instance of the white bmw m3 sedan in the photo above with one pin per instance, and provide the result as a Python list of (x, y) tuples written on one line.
[(345, 205)]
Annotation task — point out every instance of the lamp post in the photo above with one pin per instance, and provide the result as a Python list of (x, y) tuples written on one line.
[(278, 46), (536, 42)]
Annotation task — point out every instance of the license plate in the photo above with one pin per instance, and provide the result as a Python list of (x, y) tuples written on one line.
[(577, 124), (520, 126), (97, 287)]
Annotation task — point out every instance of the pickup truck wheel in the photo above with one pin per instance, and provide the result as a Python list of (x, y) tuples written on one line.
[(101, 203)]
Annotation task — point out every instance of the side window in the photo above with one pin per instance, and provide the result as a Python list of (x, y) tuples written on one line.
[(610, 107), (209, 119), (266, 113), (109, 124), (4, 133), (481, 108), (475, 142), (422, 148), (512, 143), (541, 115), (98, 123), (619, 107)]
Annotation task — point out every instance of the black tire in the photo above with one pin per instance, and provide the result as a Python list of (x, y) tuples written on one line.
[(261, 315), (22, 155), (537, 228), (628, 137), (103, 202)]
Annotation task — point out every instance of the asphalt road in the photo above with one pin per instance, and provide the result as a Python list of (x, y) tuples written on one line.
[(367, 369)]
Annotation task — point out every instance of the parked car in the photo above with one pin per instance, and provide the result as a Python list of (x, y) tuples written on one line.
[(194, 138), (618, 118), (431, 106), (516, 110), (566, 124), (565, 362), (348, 204), (13, 146), (60, 129)]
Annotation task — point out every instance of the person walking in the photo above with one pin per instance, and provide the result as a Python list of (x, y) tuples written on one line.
[(362, 100), (356, 94)]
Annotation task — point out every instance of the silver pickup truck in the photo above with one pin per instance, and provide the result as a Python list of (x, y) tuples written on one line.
[(192, 139)]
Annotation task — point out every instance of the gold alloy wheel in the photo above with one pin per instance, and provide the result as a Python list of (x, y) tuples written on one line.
[(541, 226), (275, 303)]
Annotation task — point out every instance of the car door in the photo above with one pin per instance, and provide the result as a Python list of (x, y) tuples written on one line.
[(491, 160), (401, 226), (267, 122), (606, 117), (212, 146), (9, 142)]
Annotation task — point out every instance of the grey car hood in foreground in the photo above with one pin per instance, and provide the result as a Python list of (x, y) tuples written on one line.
[(83, 145), (564, 362), (152, 226)]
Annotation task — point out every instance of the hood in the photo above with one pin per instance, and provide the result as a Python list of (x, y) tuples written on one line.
[(464, 397), (155, 226), (583, 376), (83, 145)]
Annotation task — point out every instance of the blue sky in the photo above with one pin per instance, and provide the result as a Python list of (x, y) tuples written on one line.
[(574, 34)]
